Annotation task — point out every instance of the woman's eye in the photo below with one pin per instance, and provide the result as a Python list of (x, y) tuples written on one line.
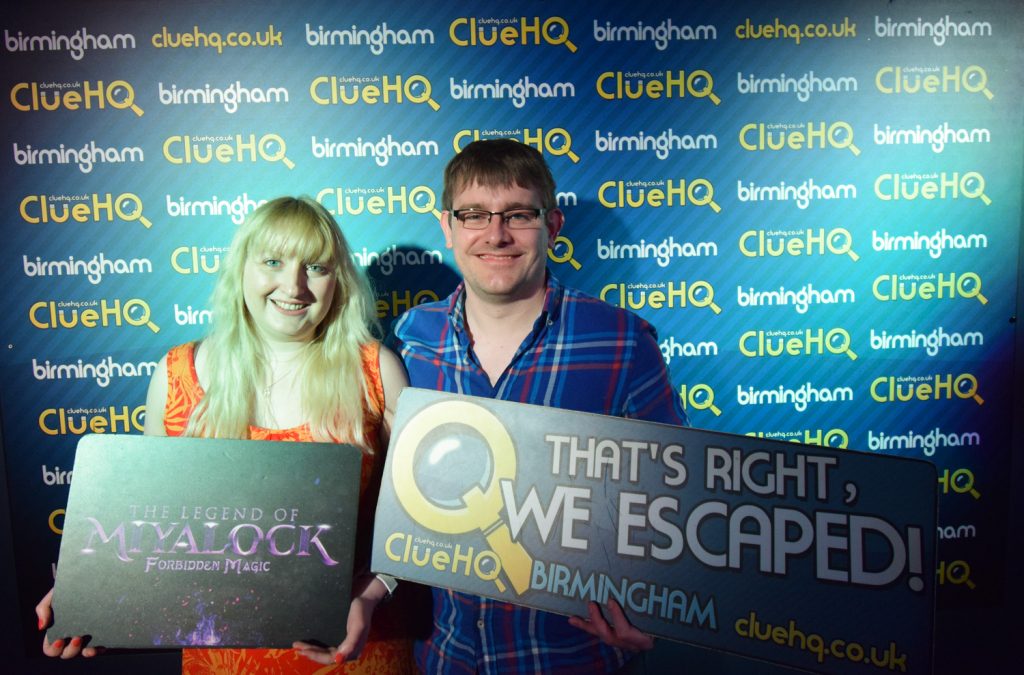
[(317, 268), (272, 262)]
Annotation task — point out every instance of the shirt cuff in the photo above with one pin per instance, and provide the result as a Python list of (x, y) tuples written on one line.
[(390, 584)]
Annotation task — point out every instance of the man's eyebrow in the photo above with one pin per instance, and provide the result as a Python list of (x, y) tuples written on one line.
[(508, 207)]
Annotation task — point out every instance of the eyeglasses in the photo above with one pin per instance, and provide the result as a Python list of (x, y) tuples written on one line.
[(514, 219)]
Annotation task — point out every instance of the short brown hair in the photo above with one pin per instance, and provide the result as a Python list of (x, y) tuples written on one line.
[(500, 162)]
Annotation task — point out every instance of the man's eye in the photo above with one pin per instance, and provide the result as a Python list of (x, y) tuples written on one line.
[(518, 216), (473, 217)]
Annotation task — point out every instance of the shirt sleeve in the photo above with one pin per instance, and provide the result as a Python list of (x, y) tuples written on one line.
[(392, 340), (652, 397)]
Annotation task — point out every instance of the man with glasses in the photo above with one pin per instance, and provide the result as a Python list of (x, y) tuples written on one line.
[(511, 331)]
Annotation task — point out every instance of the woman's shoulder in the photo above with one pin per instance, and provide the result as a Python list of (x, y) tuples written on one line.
[(370, 352), (185, 361), (185, 350)]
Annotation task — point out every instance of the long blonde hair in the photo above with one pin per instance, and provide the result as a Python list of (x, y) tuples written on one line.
[(333, 387)]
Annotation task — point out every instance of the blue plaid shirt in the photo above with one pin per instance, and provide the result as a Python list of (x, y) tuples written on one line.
[(582, 354)]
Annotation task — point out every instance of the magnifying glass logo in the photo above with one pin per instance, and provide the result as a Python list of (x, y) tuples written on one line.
[(558, 142), (564, 243), (959, 572), (480, 509), (129, 208), (699, 397), (114, 92)]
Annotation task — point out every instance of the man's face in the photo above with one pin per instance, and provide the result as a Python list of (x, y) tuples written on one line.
[(499, 264)]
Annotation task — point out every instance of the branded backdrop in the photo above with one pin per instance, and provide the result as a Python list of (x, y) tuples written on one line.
[(818, 206)]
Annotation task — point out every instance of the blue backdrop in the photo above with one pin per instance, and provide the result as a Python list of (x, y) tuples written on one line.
[(818, 206)]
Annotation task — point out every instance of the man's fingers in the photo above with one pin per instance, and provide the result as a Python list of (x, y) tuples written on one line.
[(629, 635), (619, 632)]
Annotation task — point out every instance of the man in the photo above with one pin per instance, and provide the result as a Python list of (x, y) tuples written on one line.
[(511, 331)]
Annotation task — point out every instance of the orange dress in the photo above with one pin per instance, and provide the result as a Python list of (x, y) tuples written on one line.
[(387, 651)]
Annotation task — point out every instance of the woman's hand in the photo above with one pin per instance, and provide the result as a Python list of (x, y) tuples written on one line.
[(65, 648), (370, 593)]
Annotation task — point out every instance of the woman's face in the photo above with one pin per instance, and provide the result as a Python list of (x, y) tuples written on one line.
[(287, 298)]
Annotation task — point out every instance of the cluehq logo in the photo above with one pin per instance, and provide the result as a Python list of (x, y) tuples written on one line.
[(71, 314), (379, 200), (928, 186), (832, 438), (616, 85), (763, 136), (391, 304), (699, 396), (937, 387), (74, 96), (911, 80), (196, 259), (372, 90), (187, 149), (930, 286), (778, 243), (806, 342), (661, 295), (634, 194), (555, 141), (481, 509), (110, 419), (508, 32), (96, 208)]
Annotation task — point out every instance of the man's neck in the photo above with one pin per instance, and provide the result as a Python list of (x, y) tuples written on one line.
[(487, 316), (497, 329)]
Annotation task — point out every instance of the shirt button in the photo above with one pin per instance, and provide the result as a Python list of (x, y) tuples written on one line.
[(480, 624)]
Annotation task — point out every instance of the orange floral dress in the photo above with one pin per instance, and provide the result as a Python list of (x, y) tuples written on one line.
[(388, 650)]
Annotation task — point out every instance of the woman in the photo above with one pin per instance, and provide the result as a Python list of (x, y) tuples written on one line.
[(290, 357)]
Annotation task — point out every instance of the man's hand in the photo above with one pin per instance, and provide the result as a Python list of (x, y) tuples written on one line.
[(619, 632)]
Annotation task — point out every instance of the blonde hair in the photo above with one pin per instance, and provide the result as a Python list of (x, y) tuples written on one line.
[(334, 389)]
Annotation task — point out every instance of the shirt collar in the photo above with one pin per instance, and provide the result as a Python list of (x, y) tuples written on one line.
[(553, 295)]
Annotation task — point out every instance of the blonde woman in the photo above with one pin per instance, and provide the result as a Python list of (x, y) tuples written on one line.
[(291, 356)]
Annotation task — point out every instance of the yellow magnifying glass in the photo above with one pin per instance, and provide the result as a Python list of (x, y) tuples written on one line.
[(566, 255), (481, 508), (963, 576)]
